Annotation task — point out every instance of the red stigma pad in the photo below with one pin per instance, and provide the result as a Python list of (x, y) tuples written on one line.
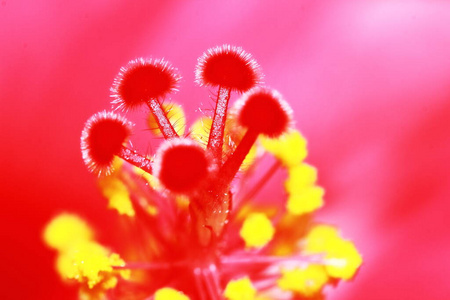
[(264, 111), (142, 80), (102, 139), (181, 165), (228, 67)]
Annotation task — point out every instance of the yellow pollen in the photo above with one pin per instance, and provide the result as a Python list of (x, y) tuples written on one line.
[(257, 230), (300, 176), (290, 148), (169, 294), (305, 201), (240, 289), (341, 256), (306, 281), (320, 238), (200, 130), (67, 230), (117, 194), (80, 258), (90, 263), (343, 260)]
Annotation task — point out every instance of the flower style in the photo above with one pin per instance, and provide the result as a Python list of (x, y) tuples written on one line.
[(199, 229)]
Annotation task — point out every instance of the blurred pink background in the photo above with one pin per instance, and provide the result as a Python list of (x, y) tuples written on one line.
[(369, 82)]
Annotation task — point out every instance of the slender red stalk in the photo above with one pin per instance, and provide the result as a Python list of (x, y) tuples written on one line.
[(136, 159), (212, 288), (233, 163), (198, 283), (261, 182), (216, 134), (162, 120)]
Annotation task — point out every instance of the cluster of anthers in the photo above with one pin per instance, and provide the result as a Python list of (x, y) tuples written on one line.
[(199, 228)]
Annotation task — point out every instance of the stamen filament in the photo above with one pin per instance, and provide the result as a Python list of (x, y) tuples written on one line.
[(269, 260), (213, 290), (215, 141), (198, 283), (266, 283), (233, 163), (215, 278), (162, 120), (136, 159), (151, 266), (261, 182), (148, 222)]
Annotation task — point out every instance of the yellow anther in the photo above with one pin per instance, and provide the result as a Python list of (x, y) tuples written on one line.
[(300, 176), (306, 281), (320, 239), (343, 260), (176, 116), (117, 194), (341, 256), (90, 263), (169, 294), (290, 148), (80, 258), (200, 130), (67, 230), (305, 201), (240, 289), (257, 230)]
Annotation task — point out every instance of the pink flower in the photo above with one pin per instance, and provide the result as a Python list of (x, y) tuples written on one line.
[(368, 83)]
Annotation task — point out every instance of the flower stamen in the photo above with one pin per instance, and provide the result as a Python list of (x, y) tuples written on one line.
[(103, 137), (262, 111), (231, 69), (144, 82)]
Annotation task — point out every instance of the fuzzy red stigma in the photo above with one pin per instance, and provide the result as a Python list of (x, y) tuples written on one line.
[(229, 67), (181, 165), (263, 110), (102, 138), (142, 80)]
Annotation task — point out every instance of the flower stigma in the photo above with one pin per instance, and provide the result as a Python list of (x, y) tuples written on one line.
[(199, 224)]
